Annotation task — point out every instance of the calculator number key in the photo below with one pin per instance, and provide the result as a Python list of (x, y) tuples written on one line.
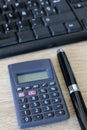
[(47, 108), (35, 104), (26, 119), (38, 117), (45, 102), (25, 113), (33, 98), (22, 100), (24, 106), (36, 110), (44, 96)]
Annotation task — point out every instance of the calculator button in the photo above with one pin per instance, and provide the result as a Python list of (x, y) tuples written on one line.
[(27, 119), (36, 86), (47, 108), (43, 91), (36, 110), (49, 115), (54, 94), (44, 96), (58, 106), (33, 98), (52, 83), (60, 112), (24, 106), (38, 117), (35, 104), (44, 85), (56, 100), (52, 89), (23, 100), (27, 87), (45, 102), (26, 112), (21, 94), (32, 92), (19, 89)]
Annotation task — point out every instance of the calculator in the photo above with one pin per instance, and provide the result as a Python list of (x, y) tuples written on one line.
[(37, 94)]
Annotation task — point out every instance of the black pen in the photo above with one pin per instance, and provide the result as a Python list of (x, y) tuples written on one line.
[(73, 88)]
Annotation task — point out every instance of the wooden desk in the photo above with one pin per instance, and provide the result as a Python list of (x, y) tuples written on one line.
[(77, 54)]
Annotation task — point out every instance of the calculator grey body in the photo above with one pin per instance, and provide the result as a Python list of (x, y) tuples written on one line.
[(37, 102)]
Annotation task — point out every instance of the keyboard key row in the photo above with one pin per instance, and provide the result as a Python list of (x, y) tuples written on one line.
[(9, 34)]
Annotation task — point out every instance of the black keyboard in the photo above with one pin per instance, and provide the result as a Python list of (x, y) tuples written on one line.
[(30, 25)]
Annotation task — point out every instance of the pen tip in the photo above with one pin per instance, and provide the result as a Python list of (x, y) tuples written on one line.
[(60, 50)]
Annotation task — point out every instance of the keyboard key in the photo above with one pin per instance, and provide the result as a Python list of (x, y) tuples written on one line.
[(13, 17), (1, 29), (8, 39), (2, 19), (60, 18), (18, 6), (37, 12), (10, 28), (30, 4), (43, 3), (41, 32), (23, 25), (6, 9), (50, 10), (73, 26), (57, 29), (10, 1), (36, 22), (25, 15), (84, 22), (62, 6), (25, 36), (78, 5)]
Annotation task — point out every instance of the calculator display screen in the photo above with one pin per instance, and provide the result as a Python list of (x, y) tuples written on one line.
[(23, 78)]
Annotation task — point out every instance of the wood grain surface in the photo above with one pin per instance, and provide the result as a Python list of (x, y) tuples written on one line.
[(77, 54)]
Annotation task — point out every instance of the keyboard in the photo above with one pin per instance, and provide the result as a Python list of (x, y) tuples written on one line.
[(30, 25)]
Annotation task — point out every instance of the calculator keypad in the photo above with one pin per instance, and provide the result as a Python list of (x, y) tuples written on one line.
[(40, 101)]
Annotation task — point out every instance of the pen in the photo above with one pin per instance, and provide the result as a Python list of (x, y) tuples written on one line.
[(73, 89)]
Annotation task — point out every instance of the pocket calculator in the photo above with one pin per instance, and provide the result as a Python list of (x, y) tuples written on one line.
[(37, 94)]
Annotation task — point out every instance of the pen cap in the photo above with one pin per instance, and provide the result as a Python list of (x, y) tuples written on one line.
[(66, 68)]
